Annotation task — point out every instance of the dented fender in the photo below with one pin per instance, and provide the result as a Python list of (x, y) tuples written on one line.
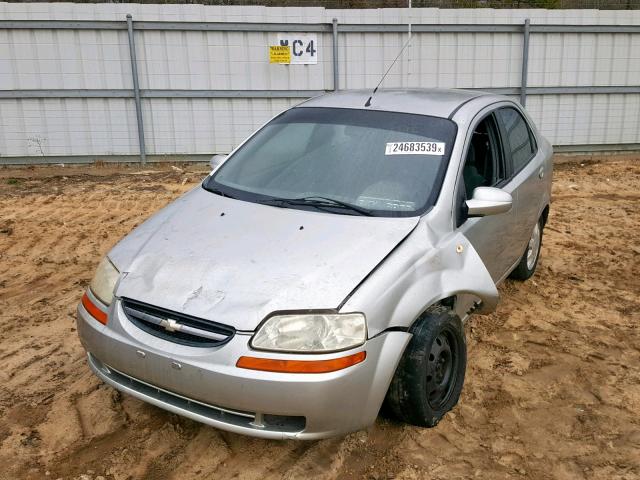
[(420, 272)]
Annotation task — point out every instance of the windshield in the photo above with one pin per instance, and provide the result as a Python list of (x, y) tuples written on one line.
[(382, 163)]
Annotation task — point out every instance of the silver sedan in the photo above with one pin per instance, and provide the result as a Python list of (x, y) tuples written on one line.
[(326, 266)]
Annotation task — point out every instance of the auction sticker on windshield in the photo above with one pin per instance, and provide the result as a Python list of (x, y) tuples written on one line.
[(414, 148)]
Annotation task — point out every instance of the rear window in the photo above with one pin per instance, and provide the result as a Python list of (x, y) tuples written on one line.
[(519, 139)]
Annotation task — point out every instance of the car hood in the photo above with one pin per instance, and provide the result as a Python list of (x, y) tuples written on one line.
[(235, 262)]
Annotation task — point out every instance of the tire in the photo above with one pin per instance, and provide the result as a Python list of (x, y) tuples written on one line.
[(437, 350), (529, 261)]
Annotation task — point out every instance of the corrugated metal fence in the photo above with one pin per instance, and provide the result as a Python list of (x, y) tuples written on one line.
[(69, 77)]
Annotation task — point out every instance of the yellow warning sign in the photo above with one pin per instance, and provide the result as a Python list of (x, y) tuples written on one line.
[(279, 54)]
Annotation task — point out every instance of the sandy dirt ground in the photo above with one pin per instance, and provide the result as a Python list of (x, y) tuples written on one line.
[(552, 387)]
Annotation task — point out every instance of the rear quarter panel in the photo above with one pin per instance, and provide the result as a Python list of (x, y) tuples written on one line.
[(545, 154)]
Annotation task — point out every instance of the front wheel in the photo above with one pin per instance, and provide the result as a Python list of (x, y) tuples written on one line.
[(529, 261), (429, 377)]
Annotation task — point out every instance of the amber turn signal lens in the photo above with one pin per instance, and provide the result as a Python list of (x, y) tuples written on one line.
[(300, 366), (93, 310)]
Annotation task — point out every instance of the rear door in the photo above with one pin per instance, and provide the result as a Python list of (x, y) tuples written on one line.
[(526, 172)]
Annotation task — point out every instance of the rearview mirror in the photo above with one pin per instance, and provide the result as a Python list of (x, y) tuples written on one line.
[(489, 201), (216, 160)]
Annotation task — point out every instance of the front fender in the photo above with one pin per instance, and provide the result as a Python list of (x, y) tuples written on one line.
[(418, 274)]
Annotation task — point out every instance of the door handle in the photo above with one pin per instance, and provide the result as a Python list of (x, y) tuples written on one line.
[(541, 172)]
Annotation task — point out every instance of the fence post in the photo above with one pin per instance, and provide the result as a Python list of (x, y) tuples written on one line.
[(335, 55), (136, 89), (525, 63)]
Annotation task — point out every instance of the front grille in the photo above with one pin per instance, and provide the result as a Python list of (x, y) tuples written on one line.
[(176, 327)]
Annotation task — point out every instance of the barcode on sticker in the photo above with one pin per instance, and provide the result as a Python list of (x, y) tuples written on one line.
[(414, 148)]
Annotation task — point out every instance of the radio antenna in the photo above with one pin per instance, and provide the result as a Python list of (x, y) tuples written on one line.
[(406, 44)]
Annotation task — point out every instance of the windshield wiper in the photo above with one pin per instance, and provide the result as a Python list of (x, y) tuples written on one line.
[(217, 191), (319, 202)]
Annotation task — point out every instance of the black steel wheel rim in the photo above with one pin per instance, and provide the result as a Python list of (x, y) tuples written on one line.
[(442, 364)]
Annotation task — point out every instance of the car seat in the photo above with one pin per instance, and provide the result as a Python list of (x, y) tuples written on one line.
[(471, 175)]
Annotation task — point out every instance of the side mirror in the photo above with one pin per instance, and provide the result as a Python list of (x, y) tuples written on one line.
[(217, 160), (489, 201)]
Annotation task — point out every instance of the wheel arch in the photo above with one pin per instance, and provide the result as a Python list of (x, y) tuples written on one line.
[(443, 304), (545, 215)]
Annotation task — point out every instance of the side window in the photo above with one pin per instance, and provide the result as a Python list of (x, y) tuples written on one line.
[(484, 164), (519, 140)]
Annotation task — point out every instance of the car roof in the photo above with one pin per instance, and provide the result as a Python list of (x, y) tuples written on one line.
[(436, 102)]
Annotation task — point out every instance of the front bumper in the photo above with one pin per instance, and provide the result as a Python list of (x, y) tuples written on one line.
[(204, 384)]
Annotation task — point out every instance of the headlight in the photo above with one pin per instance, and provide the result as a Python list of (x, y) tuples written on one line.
[(315, 333), (104, 281)]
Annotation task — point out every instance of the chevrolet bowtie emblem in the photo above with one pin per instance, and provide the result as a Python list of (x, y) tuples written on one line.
[(170, 325)]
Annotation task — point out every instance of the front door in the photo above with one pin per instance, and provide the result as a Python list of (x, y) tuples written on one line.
[(485, 166)]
